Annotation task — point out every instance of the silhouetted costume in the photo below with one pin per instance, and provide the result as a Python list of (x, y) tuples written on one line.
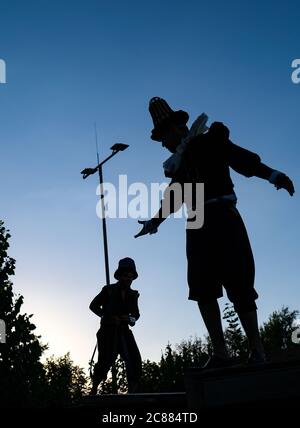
[(114, 338), (219, 254)]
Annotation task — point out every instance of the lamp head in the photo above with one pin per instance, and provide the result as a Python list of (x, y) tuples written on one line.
[(119, 147)]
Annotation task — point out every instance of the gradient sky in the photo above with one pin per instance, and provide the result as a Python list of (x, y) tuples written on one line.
[(72, 63)]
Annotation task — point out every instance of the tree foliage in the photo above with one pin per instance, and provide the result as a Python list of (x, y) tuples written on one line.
[(25, 380), (66, 382), (21, 372), (236, 340), (276, 333)]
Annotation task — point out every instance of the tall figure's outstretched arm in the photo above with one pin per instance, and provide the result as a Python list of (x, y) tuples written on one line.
[(168, 205), (248, 163), (279, 179)]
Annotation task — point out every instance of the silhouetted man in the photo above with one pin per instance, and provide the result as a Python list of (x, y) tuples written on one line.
[(117, 305), (219, 254)]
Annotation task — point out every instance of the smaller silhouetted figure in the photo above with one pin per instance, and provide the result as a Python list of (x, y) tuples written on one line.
[(117, 305)]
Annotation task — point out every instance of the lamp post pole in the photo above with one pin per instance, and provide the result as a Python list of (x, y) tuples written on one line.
[(104, 227)]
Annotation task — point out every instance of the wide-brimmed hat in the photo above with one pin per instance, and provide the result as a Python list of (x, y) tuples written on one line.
[(126, 265), (162, 114)]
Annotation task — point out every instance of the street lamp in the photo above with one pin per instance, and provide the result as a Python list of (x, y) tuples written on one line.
[(116, 148)]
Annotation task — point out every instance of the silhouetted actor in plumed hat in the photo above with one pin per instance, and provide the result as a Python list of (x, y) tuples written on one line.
[(219, 253), (117, 305)]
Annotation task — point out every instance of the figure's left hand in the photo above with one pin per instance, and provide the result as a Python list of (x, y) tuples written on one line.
[(284, 182), (148, 227)]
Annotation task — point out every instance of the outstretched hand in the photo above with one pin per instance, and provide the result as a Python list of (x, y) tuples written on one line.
[(148, 227), (284, 182)]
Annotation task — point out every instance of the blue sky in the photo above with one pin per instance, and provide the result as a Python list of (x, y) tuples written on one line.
[(72, 63)]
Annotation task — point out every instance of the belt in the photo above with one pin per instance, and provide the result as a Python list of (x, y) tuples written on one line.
[(225, 198)]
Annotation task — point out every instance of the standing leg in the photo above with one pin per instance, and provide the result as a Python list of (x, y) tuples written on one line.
[(131, 355), (100, 374), (250, 325), (239, 283), (212, 318), (107, 354)]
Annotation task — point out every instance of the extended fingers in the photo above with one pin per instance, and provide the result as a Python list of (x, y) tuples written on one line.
[(142, 232)]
